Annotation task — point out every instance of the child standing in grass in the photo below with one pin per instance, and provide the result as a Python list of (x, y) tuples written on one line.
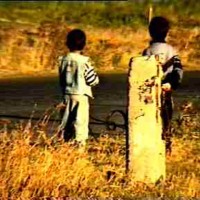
[(172, 69), (77, 76)]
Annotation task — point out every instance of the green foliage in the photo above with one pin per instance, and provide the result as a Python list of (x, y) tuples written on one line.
[(183, 13), (104, 14)]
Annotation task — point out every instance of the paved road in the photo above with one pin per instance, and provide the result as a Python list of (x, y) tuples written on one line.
[(21, 96)]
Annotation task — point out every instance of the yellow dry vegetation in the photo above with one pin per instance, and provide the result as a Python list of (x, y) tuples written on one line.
[(29, 50), (44, 167)]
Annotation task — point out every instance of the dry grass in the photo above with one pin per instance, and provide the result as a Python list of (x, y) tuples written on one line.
[(35, 166), (111, 48)]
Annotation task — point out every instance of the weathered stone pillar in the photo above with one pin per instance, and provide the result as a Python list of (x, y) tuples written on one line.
[(146, 149)]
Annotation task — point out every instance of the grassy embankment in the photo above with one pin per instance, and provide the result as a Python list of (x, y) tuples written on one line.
[(115, 32)]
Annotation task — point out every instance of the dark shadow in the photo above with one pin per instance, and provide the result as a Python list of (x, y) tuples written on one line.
[(20, 96), (191, 81)]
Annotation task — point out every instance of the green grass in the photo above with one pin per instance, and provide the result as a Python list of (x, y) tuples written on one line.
[(103, 14)]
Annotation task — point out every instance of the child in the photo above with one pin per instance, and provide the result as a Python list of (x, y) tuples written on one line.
[(76, 76), (172, 69)]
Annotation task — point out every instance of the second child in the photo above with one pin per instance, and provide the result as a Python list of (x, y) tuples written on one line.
[(172, 69)]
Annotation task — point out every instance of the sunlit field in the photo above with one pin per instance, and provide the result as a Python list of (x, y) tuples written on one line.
[(34, 162), (34, 165)]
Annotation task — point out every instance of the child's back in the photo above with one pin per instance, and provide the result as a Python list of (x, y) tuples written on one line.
[(73, 70), (164, 50), (172, 68)]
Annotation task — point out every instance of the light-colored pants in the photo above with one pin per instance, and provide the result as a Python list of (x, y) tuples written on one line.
[(75, 118)]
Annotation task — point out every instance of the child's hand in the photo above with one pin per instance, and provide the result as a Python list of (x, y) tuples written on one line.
[(166, 87), (60, 106)]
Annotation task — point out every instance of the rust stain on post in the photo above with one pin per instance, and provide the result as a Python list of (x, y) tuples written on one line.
[(146, 153)]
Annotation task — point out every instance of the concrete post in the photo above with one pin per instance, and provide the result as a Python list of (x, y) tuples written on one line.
[(146, 149)]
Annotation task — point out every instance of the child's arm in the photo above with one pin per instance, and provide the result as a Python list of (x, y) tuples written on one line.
[(174, 78), (91, 76), (61, 73)]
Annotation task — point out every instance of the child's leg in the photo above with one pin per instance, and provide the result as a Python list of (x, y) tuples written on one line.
[(82, 118), (66, 127), (167, 112)]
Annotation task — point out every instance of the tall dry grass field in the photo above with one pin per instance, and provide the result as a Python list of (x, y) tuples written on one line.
[(36, 166)]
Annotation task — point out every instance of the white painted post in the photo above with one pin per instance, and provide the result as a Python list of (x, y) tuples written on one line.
[(146, 149)]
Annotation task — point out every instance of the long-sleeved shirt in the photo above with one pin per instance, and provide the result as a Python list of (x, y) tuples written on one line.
[(170, 61), (76, 74)]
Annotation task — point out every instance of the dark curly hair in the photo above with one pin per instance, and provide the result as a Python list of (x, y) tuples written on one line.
[(158, 28), (76, 40)]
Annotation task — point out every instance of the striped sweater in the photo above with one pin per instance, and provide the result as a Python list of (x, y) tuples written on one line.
[(90, 75)]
